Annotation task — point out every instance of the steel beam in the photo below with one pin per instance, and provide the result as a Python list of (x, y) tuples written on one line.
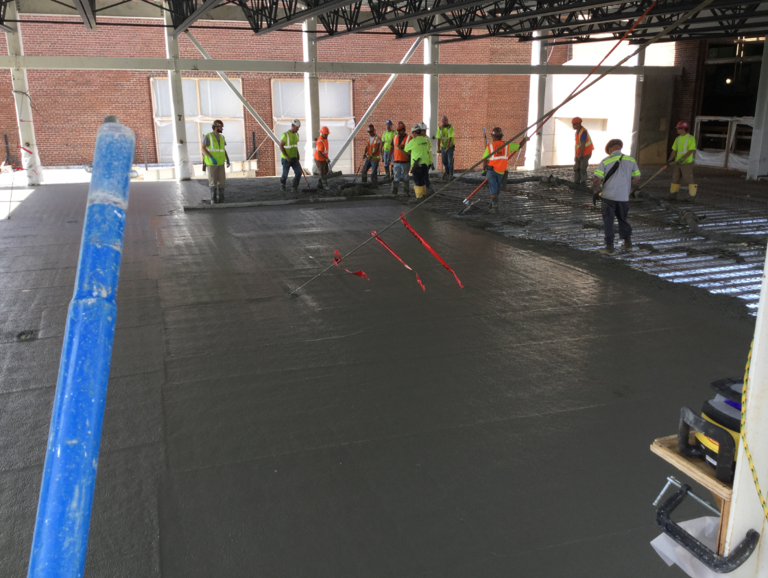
[(311, 90), (201, 11), (537, 101), (215, 65), (634, 149), (758, 150), (87, 11), (267, 12), (3, 26), (180, 151), (375, 102), (30, 157), (430, 96)]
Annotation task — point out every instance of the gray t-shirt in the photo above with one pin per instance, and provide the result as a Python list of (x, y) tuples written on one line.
[(619, 185)]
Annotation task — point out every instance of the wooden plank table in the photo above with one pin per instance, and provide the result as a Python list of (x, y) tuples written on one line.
[(699, 471)]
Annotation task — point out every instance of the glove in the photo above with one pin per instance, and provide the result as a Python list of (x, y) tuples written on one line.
[(595, 198), (484, 173), (213, 160), (229, 164)]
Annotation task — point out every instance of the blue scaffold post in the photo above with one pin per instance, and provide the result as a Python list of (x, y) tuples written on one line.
[(66, 493)]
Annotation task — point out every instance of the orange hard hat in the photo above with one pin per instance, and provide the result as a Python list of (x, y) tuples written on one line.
[(324, 130), (576, 119), (400, 125)]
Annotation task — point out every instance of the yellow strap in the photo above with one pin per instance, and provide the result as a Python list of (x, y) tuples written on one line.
[(744, 434)]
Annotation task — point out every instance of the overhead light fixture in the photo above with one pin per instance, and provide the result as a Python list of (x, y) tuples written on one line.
[(727, 81)]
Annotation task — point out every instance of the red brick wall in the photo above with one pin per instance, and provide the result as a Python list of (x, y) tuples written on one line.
[(686, 102)]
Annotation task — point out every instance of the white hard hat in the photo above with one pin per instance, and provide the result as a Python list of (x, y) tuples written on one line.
[(416, 127), (423, 126), (296, 122)]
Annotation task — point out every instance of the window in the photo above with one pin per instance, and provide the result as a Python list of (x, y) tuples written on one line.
[(205, 100), (335, 113)]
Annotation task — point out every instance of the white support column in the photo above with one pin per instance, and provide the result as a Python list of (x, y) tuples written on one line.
[(536, 102), (746, 511), (758, 151), (431, 93), (30, 157), (311, 91), (634, 147), (180, 153)]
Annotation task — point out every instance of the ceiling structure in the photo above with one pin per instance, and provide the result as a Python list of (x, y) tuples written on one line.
[(563, 21)]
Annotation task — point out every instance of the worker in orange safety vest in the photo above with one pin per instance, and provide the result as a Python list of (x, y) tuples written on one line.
[(322, 152), (584, 148), (401, 159), (497, 161), (372, 156)]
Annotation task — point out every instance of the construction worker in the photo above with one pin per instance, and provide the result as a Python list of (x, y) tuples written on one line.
[(420, 151), (584, 150), (289, 155), (321, 156), (401, 159), (372, 156), (447, 146), (682, 160), (386, 139), (616, 173), (498, 160), (214, 157)]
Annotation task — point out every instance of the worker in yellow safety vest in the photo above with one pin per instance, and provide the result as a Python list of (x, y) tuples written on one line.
[(214, 157), (445, 136), (289, 155), (497, 161), (420, 151), (386, 140), (321, 156), (402, 160), (584, 148), (681, 158), (372, 156)]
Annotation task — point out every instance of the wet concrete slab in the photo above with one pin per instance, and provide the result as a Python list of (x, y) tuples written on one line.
[(363, 428)]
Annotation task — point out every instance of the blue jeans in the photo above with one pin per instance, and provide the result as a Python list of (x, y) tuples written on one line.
[(420, 175), (291, 164), (401, 172), (447, 155), (494, 181), (387, 158), (373, 165), (618, 209)]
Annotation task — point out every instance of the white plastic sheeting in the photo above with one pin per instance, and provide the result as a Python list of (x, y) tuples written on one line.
[(703, 529), (205, 99), (716, 158)]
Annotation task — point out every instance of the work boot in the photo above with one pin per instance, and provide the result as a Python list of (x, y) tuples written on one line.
[(607, 250), (295, 190), (375, 179), (386, 172), (213, 195), (494, 206), (221, 195), (627, 246), (393, 188), (364, 178), (282, 186)]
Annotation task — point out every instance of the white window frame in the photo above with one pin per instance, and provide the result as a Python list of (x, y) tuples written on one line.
[(199, 120)]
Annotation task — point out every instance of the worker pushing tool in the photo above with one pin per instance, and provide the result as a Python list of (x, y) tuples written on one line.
[(445, 136), (372, 156), (420, 151), (289, 155), (321, 156), (584, 148), (401, 160), (616, 173), (214, 156), (681, 158), (497, 161), (386, 141)]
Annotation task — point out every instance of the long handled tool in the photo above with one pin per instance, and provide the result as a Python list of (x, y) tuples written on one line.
[(634, 192), (305, 176), (467, 206)]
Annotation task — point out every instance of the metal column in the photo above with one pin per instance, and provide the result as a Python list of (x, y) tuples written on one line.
[(376, 101), (180, 153), (311, 91), (634, 150), (30, 157), (537, 101), (431, 92), (758, 151)]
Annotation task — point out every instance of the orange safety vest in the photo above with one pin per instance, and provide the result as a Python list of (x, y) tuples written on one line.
[(371, 146), (321, 149), (499, 161), (588, 148), (400, 156)]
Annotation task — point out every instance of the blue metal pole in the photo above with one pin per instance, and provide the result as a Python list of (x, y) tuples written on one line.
[(66, 493)]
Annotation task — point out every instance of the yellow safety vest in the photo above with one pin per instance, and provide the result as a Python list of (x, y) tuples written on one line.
[(216, 148)]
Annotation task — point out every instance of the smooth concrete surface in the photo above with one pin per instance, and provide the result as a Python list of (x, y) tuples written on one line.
[(364, 428)]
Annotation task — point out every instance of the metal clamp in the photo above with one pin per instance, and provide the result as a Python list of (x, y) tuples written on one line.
[(671, 481), (719, 564)]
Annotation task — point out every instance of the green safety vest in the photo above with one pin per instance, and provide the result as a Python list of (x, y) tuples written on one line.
[(683, 144), (420, 149), (290, 142), (216, 148), (387, 139), (444, 135)]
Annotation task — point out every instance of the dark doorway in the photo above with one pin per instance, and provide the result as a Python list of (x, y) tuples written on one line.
[(732, 77)]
